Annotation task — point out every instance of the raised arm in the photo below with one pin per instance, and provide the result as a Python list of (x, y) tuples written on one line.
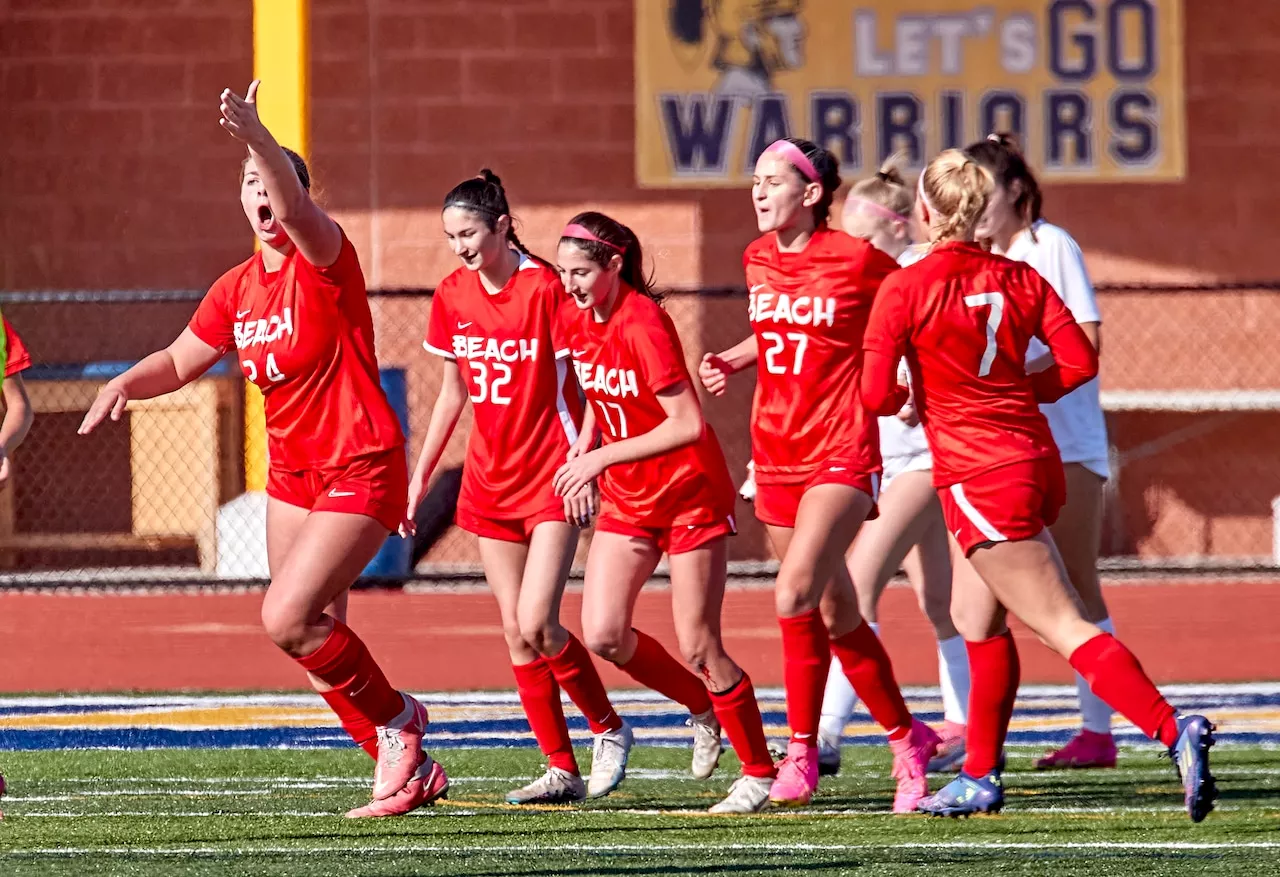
[(316, 236)]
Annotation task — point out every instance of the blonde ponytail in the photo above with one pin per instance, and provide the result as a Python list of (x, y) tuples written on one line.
[(955, 188)]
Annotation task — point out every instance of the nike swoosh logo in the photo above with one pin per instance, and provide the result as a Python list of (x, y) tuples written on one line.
[(240, 314), (337, 494), (465, 325), (577, 354), (758, 286), (837, 469)]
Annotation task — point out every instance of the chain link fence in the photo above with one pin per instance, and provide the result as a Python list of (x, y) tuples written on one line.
[(172, 492)]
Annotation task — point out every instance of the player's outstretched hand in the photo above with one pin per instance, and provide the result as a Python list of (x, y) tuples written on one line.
[(240, 115), (111, 402)]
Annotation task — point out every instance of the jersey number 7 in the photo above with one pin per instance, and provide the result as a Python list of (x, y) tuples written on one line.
[(996, 300)]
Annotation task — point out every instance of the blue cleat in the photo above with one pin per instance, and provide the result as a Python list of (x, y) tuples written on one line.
[(965, 796), (1190, 754)]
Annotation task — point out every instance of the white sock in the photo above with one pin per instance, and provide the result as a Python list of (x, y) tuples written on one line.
[(839, 699), (1095, 715), (953, 674)]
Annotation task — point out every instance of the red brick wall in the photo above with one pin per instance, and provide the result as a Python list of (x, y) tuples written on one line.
[(114, 173)]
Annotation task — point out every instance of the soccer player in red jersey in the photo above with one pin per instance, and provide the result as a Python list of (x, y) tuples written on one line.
[(909, 532), (18, 413), (496, 323), (816, 453), (964, 318), (297, 317), (1012, 226), (664, 487)]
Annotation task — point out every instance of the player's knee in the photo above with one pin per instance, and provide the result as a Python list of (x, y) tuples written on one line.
[(540, 633), (604, 639), (795, 593), (700, 648), (936, 608), (514, 636), (286, 627)]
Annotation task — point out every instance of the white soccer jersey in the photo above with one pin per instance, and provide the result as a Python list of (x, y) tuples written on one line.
[(904, 448), (1076, 419)]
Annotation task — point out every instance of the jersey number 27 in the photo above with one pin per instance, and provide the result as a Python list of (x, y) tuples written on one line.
[(996, 301)]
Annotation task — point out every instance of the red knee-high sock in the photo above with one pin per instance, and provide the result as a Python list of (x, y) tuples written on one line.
[(806, 657), (540, 697), (739, 715), (994, 672), (1114, 674), (653, 667), (362, 730), (868, 668), (344, 664), (577, 675)]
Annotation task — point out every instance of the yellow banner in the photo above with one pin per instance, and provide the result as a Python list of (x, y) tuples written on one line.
[(1092, 88)]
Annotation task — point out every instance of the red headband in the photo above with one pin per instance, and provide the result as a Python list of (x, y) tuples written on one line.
[(796, 156), (582, 233)]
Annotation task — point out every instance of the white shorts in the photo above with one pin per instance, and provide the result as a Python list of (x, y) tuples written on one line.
[(895, 466)]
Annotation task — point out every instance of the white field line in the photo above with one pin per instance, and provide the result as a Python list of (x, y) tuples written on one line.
[(785, 848), (286, 783)]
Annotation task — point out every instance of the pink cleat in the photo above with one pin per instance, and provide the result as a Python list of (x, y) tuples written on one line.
[(950, 755), (427, 785), (1086, 749), (911, 757), (399, 749), (797, 776)]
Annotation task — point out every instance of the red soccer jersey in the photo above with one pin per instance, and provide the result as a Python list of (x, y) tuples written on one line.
[(304, 336), (808, 311), (964, 318), (622, 365), (18, 359), (527, 412)]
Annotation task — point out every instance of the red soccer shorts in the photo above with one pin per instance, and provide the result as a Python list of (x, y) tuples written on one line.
[(1007, 504), (376, 487), (507, 529), (678, 539), (777, 504)]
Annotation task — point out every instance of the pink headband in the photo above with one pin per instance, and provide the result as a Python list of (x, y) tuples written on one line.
[(582, 233), (872, 207), (796, 156)]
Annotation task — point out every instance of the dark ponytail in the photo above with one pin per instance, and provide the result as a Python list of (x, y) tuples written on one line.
[(484, 196), (828, 168), (1000, 155), (615, 239)]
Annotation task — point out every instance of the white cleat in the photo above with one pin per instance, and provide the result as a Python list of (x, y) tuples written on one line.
[(706, 743), (609, 760), (746, 795), (556, 786)]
